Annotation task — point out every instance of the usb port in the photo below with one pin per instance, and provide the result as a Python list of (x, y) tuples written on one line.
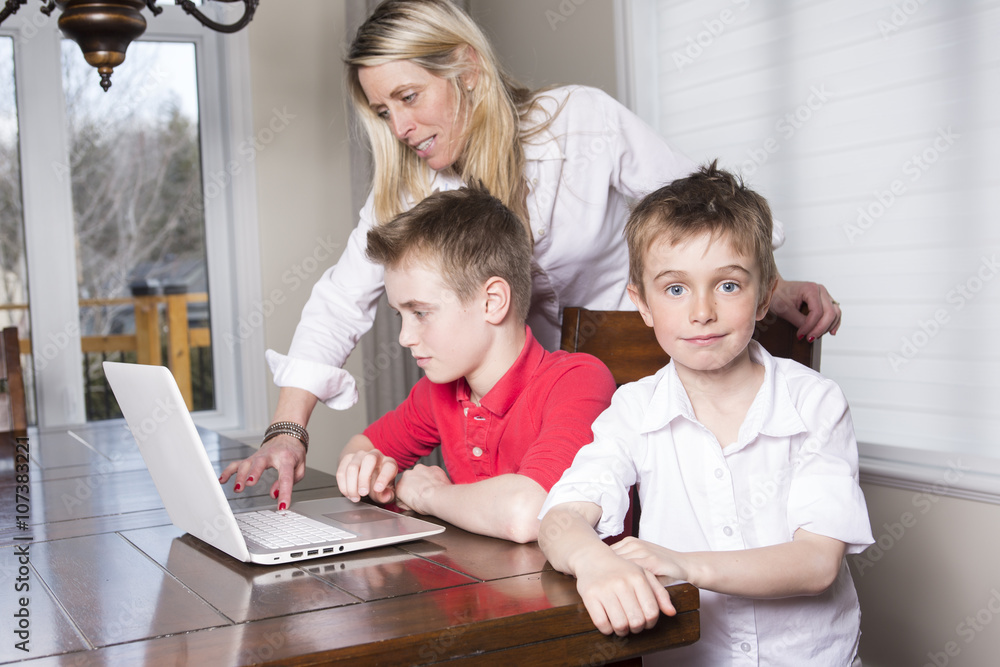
[(313, 552), (328, 550)]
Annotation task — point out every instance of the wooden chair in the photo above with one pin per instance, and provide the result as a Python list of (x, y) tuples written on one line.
[(13, 407), (629, 349)]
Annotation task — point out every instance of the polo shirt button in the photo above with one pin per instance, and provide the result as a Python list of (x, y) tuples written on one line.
[(728, 531), (746, 647), (476, 451), (719, 474)]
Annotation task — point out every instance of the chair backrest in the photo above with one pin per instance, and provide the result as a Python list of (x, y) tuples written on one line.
[(629, 349), (14, 417)]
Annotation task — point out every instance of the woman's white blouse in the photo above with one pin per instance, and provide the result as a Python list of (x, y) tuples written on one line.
[(582, 173)]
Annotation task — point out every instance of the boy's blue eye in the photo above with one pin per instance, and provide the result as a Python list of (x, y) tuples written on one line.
[(730, 287), (409, 98), (675, 290)]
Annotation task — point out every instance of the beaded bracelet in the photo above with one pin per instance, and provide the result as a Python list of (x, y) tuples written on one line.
[(287, 428)]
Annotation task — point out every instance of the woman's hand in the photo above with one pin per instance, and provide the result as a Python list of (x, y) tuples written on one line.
[(824, 313), (285, 454)]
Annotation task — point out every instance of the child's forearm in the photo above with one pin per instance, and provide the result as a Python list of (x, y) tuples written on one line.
[(807, 565), (505, 506), (567, 533)]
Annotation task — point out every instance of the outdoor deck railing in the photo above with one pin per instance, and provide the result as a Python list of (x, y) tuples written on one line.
[(162, 337)]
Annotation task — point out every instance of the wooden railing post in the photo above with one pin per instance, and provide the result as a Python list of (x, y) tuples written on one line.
[(146, 296), (179, 344)]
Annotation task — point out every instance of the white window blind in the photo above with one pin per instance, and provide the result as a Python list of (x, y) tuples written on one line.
[(873, 130)]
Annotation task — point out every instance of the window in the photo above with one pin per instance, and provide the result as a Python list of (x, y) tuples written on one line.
[(872, 129), (129, 232)]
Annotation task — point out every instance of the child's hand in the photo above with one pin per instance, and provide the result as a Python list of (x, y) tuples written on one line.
[(652, 557), (620, 596), (417, 485), (367, 473)]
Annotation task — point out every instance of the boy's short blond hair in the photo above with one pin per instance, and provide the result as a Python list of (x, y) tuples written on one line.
[(469, 234), (710, 200)]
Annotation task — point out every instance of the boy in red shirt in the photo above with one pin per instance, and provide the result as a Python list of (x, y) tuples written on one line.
[(508, 415)]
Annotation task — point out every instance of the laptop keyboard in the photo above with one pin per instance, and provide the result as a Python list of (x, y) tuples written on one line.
[(285, 529)]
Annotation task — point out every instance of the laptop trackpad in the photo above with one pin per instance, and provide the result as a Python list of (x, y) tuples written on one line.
[(360, 515)]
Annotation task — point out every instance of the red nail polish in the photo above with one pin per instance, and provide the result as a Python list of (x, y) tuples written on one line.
[(812, 338), (275, 495), (282, 506), (249, 479), (801, 337), (237, 487)]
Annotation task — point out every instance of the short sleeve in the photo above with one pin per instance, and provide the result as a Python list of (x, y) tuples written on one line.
[(576, 398), (410, 431), (824, 496)]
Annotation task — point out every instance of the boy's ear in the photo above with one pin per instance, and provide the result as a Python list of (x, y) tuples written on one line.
[(497, 293), (640, 303), (764, 304)]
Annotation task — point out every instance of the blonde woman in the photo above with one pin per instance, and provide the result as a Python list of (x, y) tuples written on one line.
[(439, 111)]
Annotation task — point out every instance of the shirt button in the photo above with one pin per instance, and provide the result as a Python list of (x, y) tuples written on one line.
[(719, 474), (541, 232), (476, 451), (746, 647), (728, 531)]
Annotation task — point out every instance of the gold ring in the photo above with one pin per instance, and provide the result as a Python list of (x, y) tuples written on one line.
[(836, 303)]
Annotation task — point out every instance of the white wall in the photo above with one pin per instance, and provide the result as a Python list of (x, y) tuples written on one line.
[(303, 178), (548, 42)]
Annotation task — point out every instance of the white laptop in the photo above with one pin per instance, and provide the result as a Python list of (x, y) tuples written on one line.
[(189, 487)]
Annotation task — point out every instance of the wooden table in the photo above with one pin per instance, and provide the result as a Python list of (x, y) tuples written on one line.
[(97, 574)]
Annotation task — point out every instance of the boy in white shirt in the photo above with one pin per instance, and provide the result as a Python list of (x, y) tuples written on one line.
[(746, 465)]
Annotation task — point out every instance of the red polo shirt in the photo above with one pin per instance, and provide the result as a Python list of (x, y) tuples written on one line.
[(532, 422)]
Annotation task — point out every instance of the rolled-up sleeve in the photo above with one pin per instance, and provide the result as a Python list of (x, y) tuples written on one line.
[(602, 471), (824, 496)]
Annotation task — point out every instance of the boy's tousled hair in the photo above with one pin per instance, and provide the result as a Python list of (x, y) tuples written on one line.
[(469, 234), (710, 200)]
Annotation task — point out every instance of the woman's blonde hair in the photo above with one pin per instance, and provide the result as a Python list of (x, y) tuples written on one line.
[(441, 38)]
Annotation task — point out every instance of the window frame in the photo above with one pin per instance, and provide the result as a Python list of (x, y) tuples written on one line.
[(231, 226)]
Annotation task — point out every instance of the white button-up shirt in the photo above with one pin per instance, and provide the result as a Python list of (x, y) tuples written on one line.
[(582, 172), (794, 465)]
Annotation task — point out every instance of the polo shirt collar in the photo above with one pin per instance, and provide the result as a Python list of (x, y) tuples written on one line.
[(508, 388), (772, 412)]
